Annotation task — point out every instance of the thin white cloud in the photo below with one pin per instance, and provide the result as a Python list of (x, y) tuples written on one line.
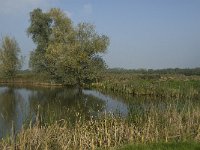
[(87, 8), (16, 6)]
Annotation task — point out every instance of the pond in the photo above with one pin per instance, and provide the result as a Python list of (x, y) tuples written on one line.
[(19, 105)]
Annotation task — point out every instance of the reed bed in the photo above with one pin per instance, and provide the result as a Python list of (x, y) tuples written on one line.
[(154, 85), (169, 124)]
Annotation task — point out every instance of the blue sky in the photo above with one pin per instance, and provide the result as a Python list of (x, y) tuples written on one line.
[(143, 33)]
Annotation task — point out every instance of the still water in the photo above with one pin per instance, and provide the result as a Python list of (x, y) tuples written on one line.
[(21, 105)]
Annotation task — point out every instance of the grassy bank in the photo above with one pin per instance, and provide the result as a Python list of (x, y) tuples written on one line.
[(162, 146), (152, 85), (170, 124), (29, 79), (126, 84)]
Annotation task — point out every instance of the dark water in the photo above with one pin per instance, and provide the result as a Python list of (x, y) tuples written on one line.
[(23, 106), (19, 106)]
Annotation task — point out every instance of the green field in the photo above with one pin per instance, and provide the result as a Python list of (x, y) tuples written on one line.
[(163, 146)]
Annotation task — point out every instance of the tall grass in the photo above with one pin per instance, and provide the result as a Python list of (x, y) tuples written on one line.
[(169, 124), (167, 86)]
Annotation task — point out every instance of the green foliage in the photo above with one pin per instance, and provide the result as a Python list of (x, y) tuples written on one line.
[(40, 31), (66, 53), (10, 61), (39, 28)]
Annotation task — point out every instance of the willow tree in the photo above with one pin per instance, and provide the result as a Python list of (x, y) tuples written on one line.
[(71, 54), (40, 32), (10, 61)]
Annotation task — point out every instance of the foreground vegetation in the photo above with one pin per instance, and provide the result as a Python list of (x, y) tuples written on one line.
[(174, 121)]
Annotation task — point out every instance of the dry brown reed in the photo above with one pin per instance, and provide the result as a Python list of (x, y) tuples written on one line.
[(169, 124)]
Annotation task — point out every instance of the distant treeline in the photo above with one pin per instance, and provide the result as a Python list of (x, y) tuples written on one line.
[(186, 71)]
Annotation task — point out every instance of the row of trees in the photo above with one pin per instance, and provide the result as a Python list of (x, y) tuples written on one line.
[(66, 53), (184, 71)]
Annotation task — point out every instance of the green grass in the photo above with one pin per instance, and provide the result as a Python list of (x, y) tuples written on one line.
[(168, 86), (163, 146)]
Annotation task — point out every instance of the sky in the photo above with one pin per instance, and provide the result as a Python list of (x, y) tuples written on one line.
[(149, 34)]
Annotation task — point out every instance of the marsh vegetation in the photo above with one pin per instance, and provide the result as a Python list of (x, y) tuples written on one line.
[(170, 114)]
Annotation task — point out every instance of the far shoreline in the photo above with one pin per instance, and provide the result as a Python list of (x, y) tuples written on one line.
[(30, 83)]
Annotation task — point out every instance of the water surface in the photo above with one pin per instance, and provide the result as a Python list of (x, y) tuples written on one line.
[(19, 105)]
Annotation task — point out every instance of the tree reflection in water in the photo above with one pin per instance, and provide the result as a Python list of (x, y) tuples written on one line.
[(11, 110), (56, 104), (20, 105)]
